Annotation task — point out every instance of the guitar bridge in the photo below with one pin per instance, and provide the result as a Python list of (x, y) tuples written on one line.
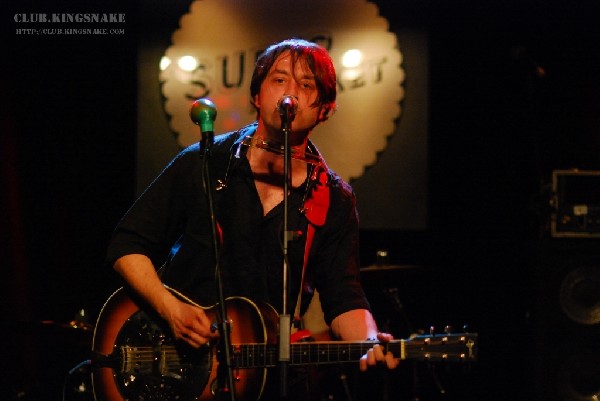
[(159, 361)]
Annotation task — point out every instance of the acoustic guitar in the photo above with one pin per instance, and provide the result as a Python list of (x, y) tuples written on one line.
[(136, 357)]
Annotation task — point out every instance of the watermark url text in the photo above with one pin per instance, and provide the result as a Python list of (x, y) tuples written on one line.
[(70, 31)]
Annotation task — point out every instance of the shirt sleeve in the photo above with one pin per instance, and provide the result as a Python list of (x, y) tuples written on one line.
[(335, 259), (154, 222)]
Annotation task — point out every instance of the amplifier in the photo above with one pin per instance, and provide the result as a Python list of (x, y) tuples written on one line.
[(575, 203)]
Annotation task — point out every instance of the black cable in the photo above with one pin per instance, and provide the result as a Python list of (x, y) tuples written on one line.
[(73, 370)]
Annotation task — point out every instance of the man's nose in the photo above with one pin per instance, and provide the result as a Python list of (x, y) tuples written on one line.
[(292, 88)]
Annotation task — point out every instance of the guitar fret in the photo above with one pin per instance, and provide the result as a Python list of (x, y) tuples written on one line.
[(253, 356), (327, 352)]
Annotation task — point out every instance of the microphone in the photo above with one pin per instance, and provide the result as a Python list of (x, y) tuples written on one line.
[(203, 113), (287, 106)]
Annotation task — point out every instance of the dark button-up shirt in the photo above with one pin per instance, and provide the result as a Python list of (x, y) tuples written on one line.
[(170, 223)]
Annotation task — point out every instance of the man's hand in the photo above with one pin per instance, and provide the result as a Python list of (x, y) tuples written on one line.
[(358, 324), (189, 323), (375, 355)]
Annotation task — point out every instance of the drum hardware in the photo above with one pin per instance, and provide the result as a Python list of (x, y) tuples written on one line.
[(381, 271)]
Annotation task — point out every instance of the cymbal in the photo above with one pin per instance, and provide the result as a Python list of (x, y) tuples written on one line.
[(40, 333), (72, 325), (382, 268), (48, 327)]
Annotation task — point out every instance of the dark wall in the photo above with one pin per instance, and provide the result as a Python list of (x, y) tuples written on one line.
[(514, 94), (66, 162), (513, 89), (69, 105)]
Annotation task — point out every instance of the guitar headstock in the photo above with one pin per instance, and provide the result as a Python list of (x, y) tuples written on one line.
[(456, 347)]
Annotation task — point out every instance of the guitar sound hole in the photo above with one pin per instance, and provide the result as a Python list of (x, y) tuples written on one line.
[(153, 366)]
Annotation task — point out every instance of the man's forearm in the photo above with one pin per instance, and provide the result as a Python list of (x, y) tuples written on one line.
[(354, 325), (140, 274)]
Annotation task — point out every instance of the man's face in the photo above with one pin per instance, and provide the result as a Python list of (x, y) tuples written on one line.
[(287, 78)]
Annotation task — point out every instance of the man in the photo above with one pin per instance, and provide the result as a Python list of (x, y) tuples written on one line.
[(172, 216)]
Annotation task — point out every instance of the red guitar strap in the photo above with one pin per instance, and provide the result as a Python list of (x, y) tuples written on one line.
[(315, 210)]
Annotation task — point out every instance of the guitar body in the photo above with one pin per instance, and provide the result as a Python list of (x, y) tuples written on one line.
[(142, 361), (137, 359)]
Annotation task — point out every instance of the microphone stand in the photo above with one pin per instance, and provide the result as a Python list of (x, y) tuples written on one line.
[(203, 113), (287, 117)]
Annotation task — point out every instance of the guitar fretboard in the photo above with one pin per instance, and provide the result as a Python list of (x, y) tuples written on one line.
[(261, 355)]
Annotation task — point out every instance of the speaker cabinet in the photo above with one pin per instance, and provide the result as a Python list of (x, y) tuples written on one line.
[(576, 204), (567, 320)]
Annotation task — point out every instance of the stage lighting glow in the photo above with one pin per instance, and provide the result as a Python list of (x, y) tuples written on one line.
[(165, 62), (187, 63), (352, 58)]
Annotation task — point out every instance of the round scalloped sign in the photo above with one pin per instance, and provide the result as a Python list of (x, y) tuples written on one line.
[(214, 50)]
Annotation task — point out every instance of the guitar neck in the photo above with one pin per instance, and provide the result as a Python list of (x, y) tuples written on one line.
[(454, 348), (319, 352)]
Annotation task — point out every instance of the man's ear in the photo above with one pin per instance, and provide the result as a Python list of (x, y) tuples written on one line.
[(256, 102), (324, 112)]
